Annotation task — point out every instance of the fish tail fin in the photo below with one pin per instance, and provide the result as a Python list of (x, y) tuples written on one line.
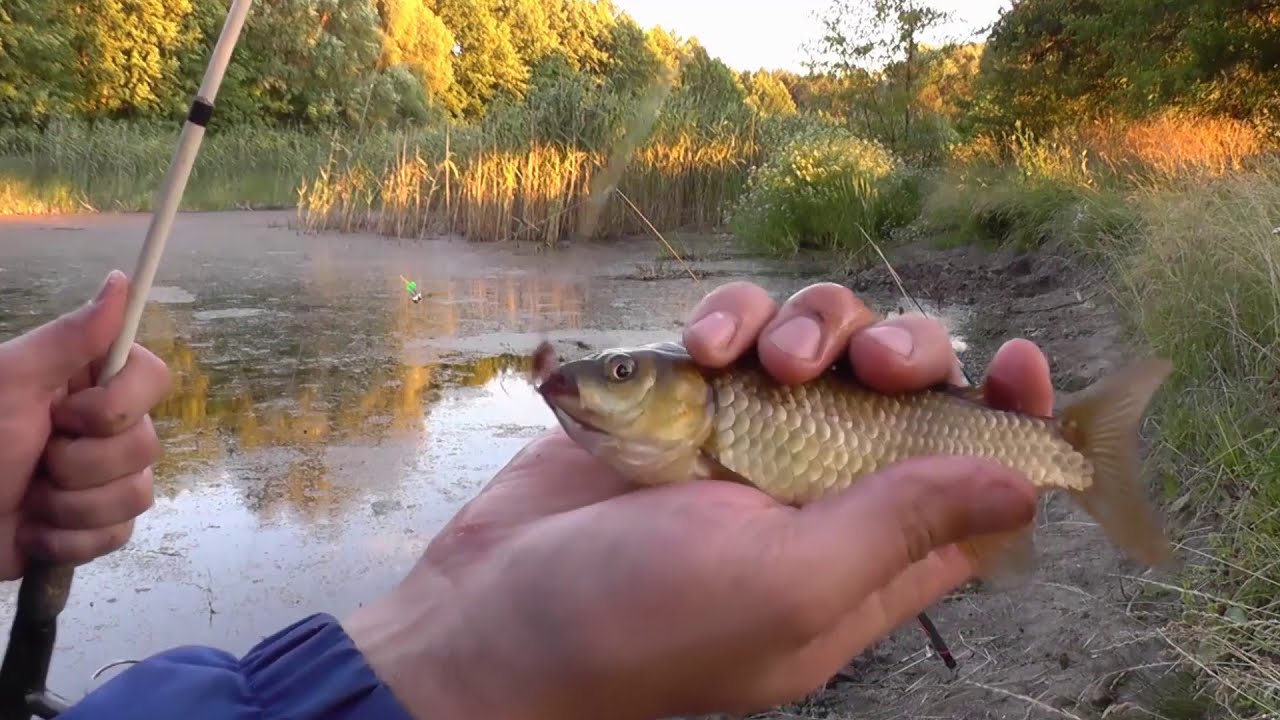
[(1102, 423)]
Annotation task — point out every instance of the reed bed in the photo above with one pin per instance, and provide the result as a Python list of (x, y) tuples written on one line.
[(545, 193)]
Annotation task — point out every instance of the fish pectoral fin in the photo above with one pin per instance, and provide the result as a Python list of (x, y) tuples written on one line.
[(658, 465), (1005, 560), (708, 468)]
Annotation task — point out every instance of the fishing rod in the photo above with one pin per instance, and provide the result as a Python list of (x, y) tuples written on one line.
[(45, 587)]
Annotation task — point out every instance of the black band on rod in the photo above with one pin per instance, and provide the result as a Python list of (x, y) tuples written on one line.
[(200, 113)]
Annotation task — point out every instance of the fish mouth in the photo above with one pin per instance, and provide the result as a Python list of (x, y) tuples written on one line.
[(575, 425), (560, 391), (558, 386)]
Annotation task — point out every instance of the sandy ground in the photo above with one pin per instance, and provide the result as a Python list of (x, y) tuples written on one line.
[(323, 427)]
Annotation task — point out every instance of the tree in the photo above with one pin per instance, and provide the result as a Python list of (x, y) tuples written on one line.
[(416, 38), (35, 61), (530, 28), (127, 53), (876, 45), (767, 95), (486, 62)]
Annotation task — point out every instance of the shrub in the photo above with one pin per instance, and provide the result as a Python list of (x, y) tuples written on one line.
[(825, 187)]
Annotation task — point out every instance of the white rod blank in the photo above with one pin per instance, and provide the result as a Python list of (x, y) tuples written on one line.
[(175, 184)]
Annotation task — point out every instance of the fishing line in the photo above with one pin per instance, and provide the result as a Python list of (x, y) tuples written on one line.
[(43, 594), (935, 637)]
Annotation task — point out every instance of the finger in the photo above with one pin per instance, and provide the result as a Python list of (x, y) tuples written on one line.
[(903, 354), (73, 547), (860, 539), (119, 501), (51, 354), (106, 410), (810, 331), (726, 322), (86, 462), (913, 591), (1019, 379)]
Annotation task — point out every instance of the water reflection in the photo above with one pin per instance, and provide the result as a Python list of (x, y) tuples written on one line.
[(269, 403)]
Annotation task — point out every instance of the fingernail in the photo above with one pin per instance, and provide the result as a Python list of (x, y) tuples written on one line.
[(801, 336), (895, 338), (716, 329), (106, 285)]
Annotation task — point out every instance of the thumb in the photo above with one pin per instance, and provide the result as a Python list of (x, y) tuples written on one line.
[(51, 354), (864, 537)]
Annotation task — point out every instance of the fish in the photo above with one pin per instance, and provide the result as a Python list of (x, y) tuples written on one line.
[(655, 416)]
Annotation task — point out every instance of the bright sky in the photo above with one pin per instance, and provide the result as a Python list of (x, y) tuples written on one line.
[(750, 34)]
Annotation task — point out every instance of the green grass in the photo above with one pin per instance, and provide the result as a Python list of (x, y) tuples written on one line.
[(1203, 288), (1195, 266)]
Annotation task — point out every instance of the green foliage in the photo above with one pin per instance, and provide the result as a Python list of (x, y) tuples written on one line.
[(35, 61), (824, 187), (417, 39), (487, 61), (767, 95), (562, 106), (873, 52), (1056, 62)]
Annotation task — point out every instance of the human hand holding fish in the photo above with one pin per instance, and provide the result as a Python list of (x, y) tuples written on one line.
[(568, 589)]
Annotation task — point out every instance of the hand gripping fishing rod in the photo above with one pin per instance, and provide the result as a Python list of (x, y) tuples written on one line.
[(45, 588)]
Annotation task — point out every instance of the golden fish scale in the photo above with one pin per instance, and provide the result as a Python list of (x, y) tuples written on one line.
[(798, 442)]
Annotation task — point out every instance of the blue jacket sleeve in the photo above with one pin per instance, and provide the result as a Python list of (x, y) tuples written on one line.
[(310, 669)]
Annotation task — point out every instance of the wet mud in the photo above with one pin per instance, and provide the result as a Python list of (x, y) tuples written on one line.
[(323, 427)]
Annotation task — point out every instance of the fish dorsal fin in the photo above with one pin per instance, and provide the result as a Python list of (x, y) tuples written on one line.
[(669, 349), (970, 393)]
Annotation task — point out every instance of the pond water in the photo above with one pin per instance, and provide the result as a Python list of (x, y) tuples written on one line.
[(322, 427)]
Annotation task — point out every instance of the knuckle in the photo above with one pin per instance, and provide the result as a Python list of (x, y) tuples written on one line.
[(138, 493), (738, 293), (835, 305), (145, 445), (107, 541), (157, 370), (113, 417), (59, 459), (826, 295)]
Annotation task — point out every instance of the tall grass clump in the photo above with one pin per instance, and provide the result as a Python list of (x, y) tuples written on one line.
[(825, 187), (1203, 286), (117, 166), (1068, 187), (1026, 191)]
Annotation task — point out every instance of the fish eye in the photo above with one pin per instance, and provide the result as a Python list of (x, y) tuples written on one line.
[(621, 367)]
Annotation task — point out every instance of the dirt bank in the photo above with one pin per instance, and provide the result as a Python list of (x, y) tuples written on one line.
[(1070, 643)]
